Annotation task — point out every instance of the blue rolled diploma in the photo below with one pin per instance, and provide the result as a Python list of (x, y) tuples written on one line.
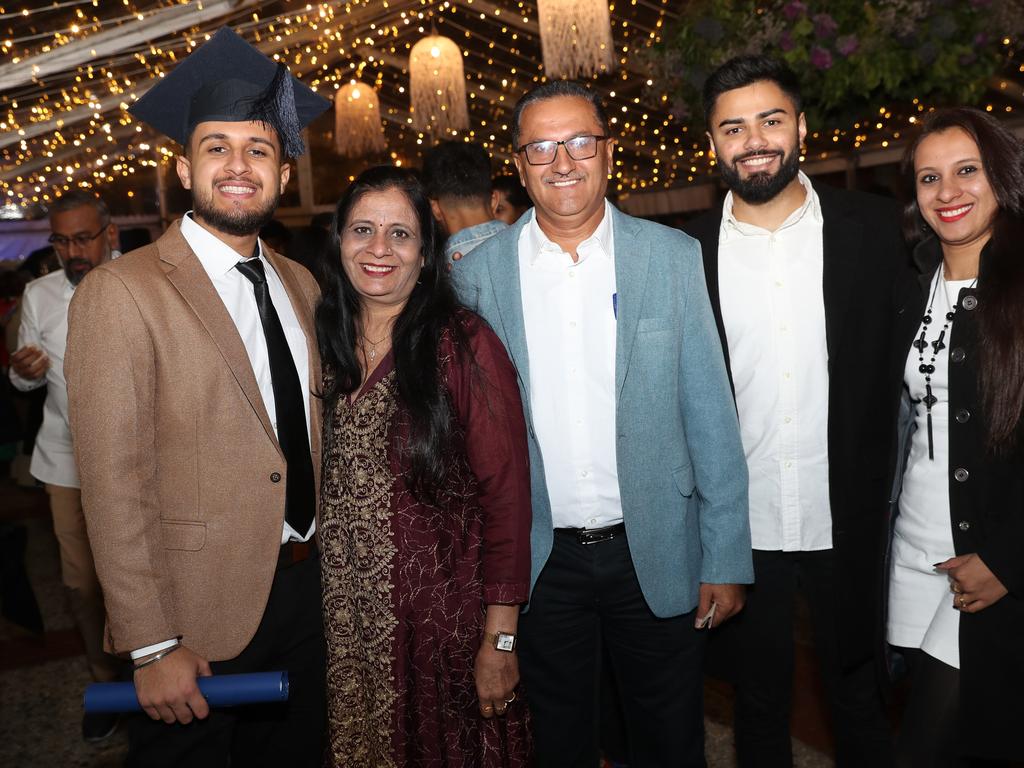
[(218, 690)]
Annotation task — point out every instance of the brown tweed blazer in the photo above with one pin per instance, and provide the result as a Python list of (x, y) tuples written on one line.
[(176, 451)]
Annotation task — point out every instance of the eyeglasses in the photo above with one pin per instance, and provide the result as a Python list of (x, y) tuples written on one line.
[(62, 243), (578, 148)]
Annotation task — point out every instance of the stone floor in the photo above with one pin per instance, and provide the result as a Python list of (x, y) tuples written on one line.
[(42, 679)]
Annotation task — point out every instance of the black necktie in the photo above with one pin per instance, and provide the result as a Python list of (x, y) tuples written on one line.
[(288, 402)]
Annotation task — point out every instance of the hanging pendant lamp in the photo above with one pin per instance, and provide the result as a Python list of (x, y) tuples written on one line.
[(357, 127), (437, 86), (575, 37)]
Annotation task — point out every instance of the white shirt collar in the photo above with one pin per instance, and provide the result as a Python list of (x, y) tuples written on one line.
[(216, 256), (811, 204), (600, 241)]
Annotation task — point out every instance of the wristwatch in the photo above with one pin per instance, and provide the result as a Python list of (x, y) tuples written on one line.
[(502, 641)]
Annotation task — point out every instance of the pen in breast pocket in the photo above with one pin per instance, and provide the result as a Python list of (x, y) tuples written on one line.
[(615, 305)]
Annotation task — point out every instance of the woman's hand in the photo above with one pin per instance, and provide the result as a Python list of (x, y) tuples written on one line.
[(497, 675), (974, 586)]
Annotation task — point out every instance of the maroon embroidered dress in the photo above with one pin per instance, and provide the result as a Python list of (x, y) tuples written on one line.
[(406, 583)]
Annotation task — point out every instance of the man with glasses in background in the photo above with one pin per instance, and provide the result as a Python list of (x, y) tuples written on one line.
[(640, 531), (83, 237)]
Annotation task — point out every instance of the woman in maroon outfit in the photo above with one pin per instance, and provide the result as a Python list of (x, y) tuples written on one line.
[(425, 501)]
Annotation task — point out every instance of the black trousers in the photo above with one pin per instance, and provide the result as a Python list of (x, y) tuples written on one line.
[(928, 736), (290, 636), (587, 600), (756, 649)]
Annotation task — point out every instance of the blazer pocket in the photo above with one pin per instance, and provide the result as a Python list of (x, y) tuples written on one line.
[(684, 480), (184, 535), (654, 324)]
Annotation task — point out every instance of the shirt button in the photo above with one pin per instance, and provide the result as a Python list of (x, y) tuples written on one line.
[(778, 283), (961, 475), (785, 375), (789, 465), (275, 477), (584, 473), (964, 525), (572, 323), (957, 355), (970, 302), (962, 415), (787, 419), (783, 329)]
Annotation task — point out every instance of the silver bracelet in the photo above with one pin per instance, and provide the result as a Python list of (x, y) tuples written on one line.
[(157, 656)]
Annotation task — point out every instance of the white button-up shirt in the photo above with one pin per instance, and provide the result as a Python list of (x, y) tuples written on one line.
[(770, 287), (238, 295), (569, 315), (44, 324)]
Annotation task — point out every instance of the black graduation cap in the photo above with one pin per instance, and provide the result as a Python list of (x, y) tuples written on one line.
[(226, 79)]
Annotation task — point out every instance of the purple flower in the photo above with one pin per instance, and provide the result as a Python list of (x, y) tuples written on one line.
[(794, 10), (824, 26), (847, 45), (821, 58), (786, 41)]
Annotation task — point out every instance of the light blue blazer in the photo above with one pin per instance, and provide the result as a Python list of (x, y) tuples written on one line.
[(682, 472)]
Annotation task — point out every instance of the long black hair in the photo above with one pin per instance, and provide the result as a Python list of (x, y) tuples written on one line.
[(1001, 271), (415, 336)]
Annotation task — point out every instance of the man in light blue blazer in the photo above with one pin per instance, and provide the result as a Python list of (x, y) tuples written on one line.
[(640, 525)]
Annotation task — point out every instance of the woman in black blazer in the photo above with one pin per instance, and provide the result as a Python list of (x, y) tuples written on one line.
[(956, 557)]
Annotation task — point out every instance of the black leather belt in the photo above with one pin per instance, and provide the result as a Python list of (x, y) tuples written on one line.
[(293, 552), (594, 535)]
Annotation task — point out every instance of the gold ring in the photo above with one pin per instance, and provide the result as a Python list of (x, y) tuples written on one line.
[(488, 708), (963, 601), (509, 701)]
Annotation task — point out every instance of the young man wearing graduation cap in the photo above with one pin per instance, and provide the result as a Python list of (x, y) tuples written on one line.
[(190, 366)]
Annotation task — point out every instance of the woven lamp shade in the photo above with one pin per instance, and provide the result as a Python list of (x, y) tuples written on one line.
[(575, 37), (357, 127), (437, 86)]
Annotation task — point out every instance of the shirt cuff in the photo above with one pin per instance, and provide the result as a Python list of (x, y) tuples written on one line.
[(154, 648)]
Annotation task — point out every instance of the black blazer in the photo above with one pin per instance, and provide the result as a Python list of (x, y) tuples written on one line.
[(986, 504), (863, 252)]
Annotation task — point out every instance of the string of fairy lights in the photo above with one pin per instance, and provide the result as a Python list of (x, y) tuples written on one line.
[(70, 128)]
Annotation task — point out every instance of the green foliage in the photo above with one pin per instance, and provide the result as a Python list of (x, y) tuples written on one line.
[(851, 55)]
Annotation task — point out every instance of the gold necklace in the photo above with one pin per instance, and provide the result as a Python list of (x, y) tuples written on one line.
[(373, 346)]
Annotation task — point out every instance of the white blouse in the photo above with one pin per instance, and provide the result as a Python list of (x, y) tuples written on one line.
[(921, 612)]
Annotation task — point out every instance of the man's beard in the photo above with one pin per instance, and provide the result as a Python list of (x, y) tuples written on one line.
[(234, 222), (761, 187), (75, 276)]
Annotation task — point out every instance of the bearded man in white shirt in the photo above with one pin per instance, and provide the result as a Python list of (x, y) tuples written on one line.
[(799, 277), (191, 365), (640, 533), (83, 237)]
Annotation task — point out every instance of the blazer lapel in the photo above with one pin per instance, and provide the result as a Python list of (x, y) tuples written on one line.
[(707, 229), (507, 292), (632, 261), (841, 243), (190, 279)]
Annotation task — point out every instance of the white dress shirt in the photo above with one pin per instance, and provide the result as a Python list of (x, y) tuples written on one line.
[(569, 316), (770, 287), (921, 612), (239, 297), (44, 324)]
